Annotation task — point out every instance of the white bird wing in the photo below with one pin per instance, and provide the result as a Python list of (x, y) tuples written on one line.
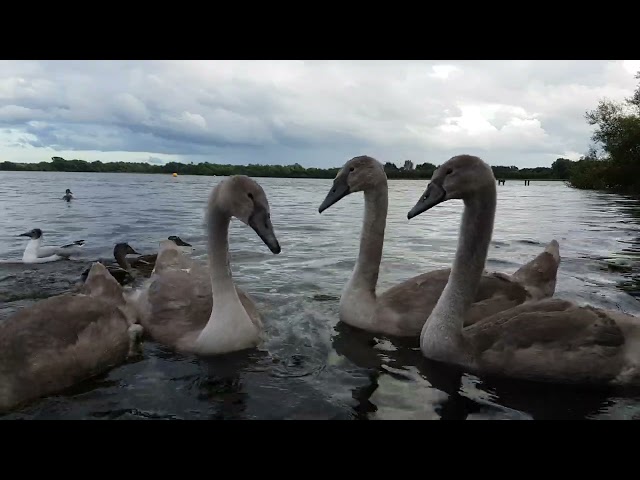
[(46, 251), (47, 259)]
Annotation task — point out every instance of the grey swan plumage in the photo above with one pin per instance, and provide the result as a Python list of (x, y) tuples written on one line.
[(402, 309), (62, 340), (197, 309), (549, 340)]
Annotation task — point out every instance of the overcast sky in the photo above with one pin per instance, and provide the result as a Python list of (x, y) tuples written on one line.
[(316, 113)]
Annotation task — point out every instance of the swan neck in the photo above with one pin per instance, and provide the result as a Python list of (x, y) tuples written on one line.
[(446, 321), (475, 237), (229, 327), (219, 265), (367, 267)]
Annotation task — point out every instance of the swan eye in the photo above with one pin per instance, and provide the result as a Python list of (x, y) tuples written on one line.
[(352, 169), (449, 171), (250, 195)]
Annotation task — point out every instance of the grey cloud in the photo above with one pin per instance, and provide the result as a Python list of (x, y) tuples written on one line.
[(107, 138), (314, 113)]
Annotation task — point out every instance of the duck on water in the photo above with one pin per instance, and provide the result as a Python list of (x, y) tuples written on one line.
[(125, 269)]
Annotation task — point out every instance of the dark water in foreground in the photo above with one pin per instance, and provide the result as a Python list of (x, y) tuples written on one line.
[(313, 367)]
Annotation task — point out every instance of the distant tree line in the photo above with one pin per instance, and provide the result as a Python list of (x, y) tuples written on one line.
[(422, 171), (58, 164)]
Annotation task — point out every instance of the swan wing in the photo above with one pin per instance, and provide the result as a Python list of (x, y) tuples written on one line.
[(540, 274), (409, 304), (56, 343), (550, 339), (176, 304)]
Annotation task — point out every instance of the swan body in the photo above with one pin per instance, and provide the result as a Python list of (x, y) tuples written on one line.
[(62, 340), (548, 340), (198, 309), (34, 252), (402, 309)]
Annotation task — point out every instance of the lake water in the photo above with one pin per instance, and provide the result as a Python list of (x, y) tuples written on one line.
[(315, 367)]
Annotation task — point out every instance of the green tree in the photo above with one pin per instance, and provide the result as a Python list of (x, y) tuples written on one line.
[(617, 136), (390, 168), (561, 168)]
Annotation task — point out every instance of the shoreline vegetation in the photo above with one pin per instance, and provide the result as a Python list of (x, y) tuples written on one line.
[(408, 172), (611, 164)]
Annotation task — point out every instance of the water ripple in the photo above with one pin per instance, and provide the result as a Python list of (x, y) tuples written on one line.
[(312, 366)]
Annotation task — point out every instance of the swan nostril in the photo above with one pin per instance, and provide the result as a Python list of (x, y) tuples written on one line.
[(333, 191)]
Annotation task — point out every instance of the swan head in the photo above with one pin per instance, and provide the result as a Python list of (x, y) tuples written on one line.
[(460, 177), (243, 198), (357, 175), (33, 234)]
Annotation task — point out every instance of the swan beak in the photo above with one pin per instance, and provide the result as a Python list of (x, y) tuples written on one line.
[(432, 196), (261, 224), (27, 234), (339, 190)]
